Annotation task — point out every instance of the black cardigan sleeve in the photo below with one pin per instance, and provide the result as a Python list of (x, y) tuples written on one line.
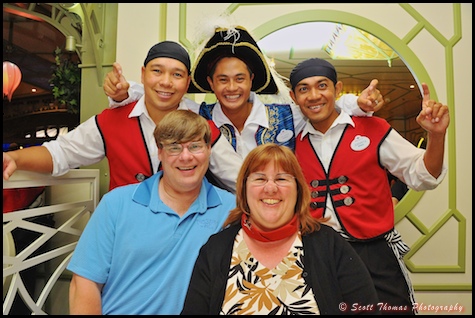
[(338, 277), (205, 293)]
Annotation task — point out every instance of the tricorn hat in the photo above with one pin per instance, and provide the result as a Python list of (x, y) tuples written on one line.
[(232, 42)]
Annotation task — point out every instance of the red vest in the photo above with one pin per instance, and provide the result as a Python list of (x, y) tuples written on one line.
[(358, 184), (125, 146)]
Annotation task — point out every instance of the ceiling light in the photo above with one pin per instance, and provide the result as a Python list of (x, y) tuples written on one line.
[(347, 42)]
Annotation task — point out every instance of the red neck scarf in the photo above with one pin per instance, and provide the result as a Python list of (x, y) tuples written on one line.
[(269, 236)]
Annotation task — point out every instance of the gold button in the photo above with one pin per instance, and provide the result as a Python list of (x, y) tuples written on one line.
[(348, 201), (342, 179), (344, 189)]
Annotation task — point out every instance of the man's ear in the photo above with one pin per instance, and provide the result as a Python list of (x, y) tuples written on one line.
[(160, 154), (338, 88), (292, 95), (142, 74)]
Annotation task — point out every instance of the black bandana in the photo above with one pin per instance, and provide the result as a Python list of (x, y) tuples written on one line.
[(169, 49), (312, 67)]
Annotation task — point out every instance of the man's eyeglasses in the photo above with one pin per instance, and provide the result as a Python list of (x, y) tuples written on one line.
[(176, 149), (281, 179)]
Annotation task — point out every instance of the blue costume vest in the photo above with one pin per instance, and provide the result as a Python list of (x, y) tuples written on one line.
[(281, 125)]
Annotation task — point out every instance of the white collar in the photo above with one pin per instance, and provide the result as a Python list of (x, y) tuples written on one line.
[(140, 108), (258, 113), (342, 119)]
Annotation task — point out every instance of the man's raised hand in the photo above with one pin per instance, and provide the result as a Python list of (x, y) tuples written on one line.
[(115, 85)]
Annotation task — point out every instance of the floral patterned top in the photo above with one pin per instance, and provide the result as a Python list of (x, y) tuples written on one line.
[(254, 289)]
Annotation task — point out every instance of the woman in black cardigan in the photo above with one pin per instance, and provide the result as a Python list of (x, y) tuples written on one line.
[(273, 257)]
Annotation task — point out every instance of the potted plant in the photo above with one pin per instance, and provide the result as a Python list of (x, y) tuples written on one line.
[(66, 82)]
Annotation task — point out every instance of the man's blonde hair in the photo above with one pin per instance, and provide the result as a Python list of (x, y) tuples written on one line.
[(180, 126)]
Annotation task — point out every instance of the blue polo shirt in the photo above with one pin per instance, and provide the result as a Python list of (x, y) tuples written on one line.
[(142, 251)]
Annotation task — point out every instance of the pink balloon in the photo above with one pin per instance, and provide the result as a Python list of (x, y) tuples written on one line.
[(11, 79)]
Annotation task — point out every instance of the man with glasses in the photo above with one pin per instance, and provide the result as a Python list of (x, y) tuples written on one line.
[(137, 252)]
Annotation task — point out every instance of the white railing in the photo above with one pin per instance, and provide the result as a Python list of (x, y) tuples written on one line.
[(69, 202)]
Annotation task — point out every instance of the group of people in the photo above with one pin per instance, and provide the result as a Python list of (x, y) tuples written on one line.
[(249, 208)]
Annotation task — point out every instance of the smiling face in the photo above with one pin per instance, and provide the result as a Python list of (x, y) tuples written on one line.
[(231, 82), (183, 139), (316, 98), (165, 81), (271, 206), (184, 172)]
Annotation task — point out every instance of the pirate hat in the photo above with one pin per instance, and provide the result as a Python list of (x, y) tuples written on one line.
[(232, 42)]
